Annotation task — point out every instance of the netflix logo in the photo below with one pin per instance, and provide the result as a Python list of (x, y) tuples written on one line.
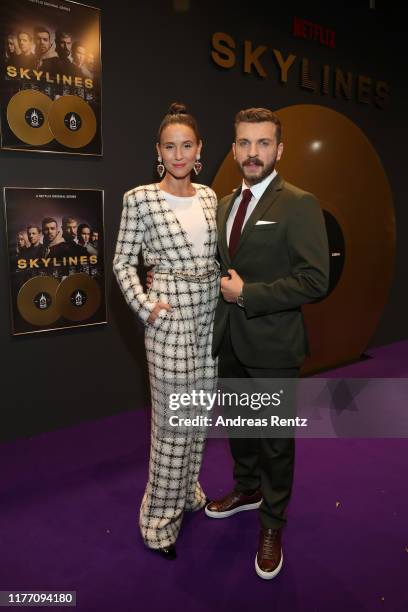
[(302, 28)]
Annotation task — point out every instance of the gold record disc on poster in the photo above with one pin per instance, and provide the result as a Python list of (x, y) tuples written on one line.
[(36, 301), (27, 116), (72, 121), (78, 297)]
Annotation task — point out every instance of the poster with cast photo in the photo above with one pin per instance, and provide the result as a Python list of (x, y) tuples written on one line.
[(50, 77), (55, 241)]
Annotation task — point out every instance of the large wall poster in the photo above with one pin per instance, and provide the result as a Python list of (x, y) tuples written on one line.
[(56, 258), (50, 82)]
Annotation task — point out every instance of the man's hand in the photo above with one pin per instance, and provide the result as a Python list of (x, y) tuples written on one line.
[(155, 312), (231, 287)]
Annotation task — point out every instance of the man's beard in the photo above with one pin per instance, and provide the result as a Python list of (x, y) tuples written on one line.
[(68, 237), (266, 170)]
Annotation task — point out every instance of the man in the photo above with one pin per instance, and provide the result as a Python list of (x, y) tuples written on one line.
[(90, 63), (274, 257), (35, 249), (26, 59), (63, 47), (46, 57), (69, 227), (54, 243), (95, 238)]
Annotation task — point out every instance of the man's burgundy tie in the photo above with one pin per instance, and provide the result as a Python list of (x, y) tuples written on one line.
[(238, 222)]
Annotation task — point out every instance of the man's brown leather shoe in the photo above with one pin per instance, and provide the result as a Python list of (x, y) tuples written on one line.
[(269, 558), (232, 503)]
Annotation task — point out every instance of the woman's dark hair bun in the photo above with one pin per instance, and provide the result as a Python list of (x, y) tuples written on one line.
[(176, 114), (177, 109)]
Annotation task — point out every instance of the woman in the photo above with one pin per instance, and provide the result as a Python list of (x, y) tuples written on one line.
[(21, 243), (174, 224), (12, 50), (84, 238)]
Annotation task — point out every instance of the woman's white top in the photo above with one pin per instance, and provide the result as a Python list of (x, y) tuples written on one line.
[(190, 215)]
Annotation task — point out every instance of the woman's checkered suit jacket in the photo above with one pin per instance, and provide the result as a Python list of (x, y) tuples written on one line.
[(178, 343)]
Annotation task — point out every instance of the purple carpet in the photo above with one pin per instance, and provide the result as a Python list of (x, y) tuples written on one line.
[(69, 503)]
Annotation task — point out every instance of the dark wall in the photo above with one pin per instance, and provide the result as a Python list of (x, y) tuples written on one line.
[(152, 56)]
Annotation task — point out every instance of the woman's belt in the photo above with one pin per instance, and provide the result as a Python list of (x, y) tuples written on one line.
[(189, 275)]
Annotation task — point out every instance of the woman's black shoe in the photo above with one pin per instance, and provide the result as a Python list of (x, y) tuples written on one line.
[(168, 552)]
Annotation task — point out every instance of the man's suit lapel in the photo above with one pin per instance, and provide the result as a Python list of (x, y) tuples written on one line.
[(267, 199)]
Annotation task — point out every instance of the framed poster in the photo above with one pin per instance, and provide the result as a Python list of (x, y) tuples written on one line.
[(55, 242), (50, 80)]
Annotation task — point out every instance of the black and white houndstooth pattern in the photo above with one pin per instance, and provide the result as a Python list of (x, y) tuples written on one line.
[(178, 343)]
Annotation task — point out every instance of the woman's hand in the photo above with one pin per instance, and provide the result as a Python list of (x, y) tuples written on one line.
[(155, 312), (149, 279)]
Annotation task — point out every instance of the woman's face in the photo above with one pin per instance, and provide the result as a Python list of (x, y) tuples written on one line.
[(179, 149), (11, 45)]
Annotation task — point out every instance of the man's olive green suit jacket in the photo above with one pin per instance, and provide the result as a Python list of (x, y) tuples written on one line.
[(283, 264)]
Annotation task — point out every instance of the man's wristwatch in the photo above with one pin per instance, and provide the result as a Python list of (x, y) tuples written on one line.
[(240, 299)]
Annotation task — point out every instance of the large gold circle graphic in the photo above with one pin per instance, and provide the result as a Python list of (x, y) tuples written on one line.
[(72, 121), (36, 301), (78, 297), (329, 155), (27, 116)]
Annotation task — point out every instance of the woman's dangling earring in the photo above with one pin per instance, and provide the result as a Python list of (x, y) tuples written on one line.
[(160, 167), (198, 166)]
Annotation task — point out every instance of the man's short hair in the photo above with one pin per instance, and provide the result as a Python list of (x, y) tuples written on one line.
[(66, 220), (259, 115), (39, 29), (33, 226), (30, 36), (47, 220), (62, 34)]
